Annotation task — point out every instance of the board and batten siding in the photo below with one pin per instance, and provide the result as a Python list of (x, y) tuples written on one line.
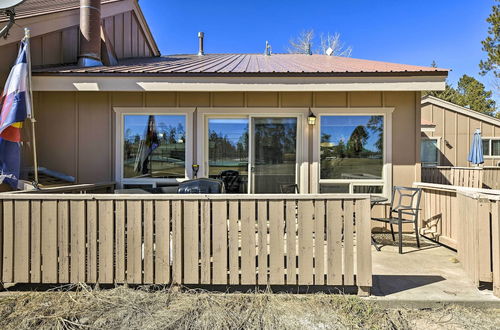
[(76, 133), (455, 131), (61, 47)]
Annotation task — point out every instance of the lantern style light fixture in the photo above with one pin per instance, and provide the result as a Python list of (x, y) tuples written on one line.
[(311, 119)]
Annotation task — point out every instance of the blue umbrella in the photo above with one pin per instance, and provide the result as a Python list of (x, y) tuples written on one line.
[(476, 149)]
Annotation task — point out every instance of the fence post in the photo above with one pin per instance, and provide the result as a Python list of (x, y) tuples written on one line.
[(495, 246), (363, 251)]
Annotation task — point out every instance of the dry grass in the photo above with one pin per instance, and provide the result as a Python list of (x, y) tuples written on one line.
[(142, 308)]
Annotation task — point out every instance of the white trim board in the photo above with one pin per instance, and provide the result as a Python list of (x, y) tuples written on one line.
[(462, 110), (236, 84)]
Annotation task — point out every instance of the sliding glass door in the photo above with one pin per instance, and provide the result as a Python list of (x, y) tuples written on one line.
[(253, 154), (274, 154)]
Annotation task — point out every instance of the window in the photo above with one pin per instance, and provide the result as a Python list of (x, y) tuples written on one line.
[(491, 147), (429, 152), (352, 154), (153, 146)]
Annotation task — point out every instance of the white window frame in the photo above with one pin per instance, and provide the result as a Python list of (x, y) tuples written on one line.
[(438, 143), (386, 181), (490, 139), (120, 112), (302, 164)]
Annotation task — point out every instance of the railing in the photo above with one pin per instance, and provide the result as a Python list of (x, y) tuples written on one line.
[(186, 239), (472, 177), (468, 220)]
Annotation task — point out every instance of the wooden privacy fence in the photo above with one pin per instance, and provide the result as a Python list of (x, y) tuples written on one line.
[(465, 219), (479, 236), (472, 177), (186, 239), (439, 213)]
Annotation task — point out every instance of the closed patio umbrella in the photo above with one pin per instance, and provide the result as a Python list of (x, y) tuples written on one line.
[(476, 149)]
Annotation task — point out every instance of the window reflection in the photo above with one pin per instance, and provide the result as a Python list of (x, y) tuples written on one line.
[(351, 147), (228, 152), (154, 146)]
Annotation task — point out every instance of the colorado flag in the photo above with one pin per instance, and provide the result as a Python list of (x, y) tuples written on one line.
[(15, 107)]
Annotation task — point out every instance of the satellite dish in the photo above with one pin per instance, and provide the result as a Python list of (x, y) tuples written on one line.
[(7, 6)]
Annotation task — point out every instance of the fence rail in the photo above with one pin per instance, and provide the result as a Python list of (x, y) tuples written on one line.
[(190, 239), (472, 177), (84, 188)]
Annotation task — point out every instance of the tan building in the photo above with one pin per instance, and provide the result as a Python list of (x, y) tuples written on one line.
[(247, 113), (447, 131)]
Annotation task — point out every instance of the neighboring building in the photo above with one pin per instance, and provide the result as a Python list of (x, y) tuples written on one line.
[(246, 113), (447, 131)]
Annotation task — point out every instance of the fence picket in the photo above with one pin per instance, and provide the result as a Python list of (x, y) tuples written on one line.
[(35, 246), (49, 242), (262, 242), (105, 246), (21, 242), (234, 242), (63, 240), (162, 242), (205, 242), (219, 242), (191, 242), (349, 242), (248, 242), (319, 242), (92, 243), (276, 234), (120, 264), (148, 242), (77, 246), (291, 242), (334, 242), (305, 212), (134, 242)]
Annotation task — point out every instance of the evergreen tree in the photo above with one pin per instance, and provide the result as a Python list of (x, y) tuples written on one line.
[(491, 45), (474, 95)]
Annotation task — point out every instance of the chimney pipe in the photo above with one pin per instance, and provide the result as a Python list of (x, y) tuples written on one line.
[(90, 33), (201, 35)]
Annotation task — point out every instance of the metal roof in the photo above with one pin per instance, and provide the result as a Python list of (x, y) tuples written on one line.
[(32, 8), (276, 64)]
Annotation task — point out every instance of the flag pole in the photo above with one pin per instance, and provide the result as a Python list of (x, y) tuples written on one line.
[(31, 114)]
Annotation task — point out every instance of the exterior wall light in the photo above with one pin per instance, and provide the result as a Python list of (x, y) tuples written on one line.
[(311, 119)]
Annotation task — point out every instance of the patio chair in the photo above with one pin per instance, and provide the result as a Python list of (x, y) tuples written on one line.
[(201, 186), (232, 180), (405, 205), (289, 188)]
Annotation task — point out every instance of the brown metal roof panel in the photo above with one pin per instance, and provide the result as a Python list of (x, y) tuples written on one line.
[(32, 8)]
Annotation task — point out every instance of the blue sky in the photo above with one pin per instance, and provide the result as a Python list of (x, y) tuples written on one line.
[(412, 32)]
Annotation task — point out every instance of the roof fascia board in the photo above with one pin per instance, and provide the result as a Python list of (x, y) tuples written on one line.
[(145, 28), (236, 84), (462, 110), (43, 24)]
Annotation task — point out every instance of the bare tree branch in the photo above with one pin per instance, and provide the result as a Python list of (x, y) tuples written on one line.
[(304, 42)]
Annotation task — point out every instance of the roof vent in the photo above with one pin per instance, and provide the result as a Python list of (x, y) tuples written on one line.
[(268, 50), (90, 33), (201, 35)]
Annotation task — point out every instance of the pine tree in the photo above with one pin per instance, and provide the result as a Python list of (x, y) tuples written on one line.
[(491, 45)]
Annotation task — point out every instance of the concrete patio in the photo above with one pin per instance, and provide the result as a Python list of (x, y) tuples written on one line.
[(422, 277)]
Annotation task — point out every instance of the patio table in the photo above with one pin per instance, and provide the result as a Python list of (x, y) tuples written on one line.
[(375, 200)]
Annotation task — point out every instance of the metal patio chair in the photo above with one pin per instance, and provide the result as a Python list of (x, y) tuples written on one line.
[(405, 207), (291, 188)]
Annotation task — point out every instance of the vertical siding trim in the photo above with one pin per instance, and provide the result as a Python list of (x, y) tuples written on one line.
[(77, 136)]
